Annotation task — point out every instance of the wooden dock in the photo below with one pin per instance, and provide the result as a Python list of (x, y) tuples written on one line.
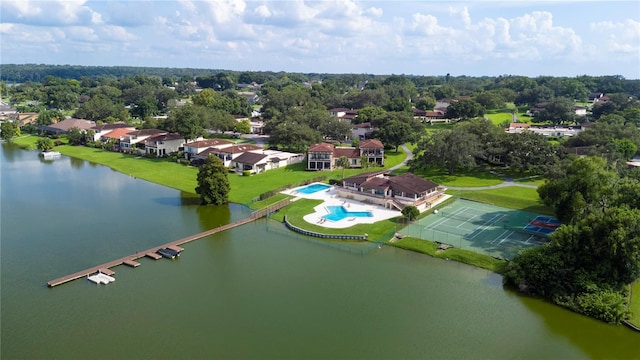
[(131, 259)]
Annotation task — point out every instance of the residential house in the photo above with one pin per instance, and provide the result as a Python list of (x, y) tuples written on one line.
[(362, 131), (24, 118), (63, 126), (323, 156), (163, 144), (259, 161), (594, 96), (227, 153), (580, 110), (251, 96), (130, 139), (101, 130), (517, 127), (194, 148), (391, 191)]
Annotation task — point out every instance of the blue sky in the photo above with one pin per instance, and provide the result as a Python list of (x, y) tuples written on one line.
[(475, 38)]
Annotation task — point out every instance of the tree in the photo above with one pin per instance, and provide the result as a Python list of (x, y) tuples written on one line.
[(44, 144), (186, 121), (410, 212), (213, 183), (342, 162), (464, 109), (395, 133), (9, 130), (585, 185), (425, 103), (243, 127), (558, 111), (75, 136), (449, 149)]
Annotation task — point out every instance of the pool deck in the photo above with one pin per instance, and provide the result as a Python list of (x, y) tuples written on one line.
[(330, 197)]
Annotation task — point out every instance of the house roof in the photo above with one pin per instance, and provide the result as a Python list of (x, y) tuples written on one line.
[(163, 137), (371, 144), (362, 125), (250, 158), (235, 149), (321, 147), (519, 126), (207, 143), (407, 182), (67, 124), (107, 127), (346, 151), (117, 133), (335, 110), (146, 132)]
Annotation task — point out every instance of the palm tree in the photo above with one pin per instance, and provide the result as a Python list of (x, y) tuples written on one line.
[(342, 162)]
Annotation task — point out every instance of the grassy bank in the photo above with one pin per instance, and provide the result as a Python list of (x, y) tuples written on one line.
[(165, 172), (634, 305), (460, 255), (468, 178)]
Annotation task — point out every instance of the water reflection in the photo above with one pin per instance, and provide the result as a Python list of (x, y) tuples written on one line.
[(76, 163)]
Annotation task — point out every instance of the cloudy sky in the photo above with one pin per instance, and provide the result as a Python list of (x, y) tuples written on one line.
[(532, 38)]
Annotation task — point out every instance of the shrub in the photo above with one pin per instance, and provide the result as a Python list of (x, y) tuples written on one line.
[(246, 173), (335, 182)]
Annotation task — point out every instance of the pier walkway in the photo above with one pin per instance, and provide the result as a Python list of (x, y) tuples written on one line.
[(176, 243)]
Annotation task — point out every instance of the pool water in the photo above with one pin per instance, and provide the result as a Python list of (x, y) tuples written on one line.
[(314, 188), (337, 213)]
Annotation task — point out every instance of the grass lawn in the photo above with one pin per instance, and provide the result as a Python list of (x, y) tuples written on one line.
[(634, 306), (181, 177), (462, 178), (27, 141), (463, 256), (511, 197), (498, 117), (299, 208)]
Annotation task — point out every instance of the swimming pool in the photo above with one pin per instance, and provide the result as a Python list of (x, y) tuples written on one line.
[(313, 188), (337, 213)]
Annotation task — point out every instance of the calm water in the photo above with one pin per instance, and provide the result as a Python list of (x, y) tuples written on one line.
[(244, 293)]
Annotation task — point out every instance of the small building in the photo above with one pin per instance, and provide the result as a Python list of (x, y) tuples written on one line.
[(259, 161), (391, 191), (362, 131), (101, 130), (164, 144), (227, 153), (65, 125), (194, 148), (130, 139), (323, 156)]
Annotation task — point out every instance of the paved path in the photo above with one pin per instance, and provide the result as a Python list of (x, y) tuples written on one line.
[(406, 160)]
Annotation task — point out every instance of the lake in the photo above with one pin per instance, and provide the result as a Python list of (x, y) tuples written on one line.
[(246, 293)]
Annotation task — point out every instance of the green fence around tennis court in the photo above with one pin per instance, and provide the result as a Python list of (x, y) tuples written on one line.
[(478, 227)]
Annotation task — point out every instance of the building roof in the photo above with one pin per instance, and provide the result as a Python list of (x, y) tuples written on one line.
[(321, 147), (364, 125), (67, 124), (349, 152), (107, 127), (163, 137), (235, 149), (208, 143), (371, 144), (117, 133), (146, 132), (250, 158), (407, 182), (519, 126)]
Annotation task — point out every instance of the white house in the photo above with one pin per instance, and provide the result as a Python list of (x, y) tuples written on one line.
[(101, 130), (128, 140), (164, 144), (194, 148), (227, 153), (258, 161)]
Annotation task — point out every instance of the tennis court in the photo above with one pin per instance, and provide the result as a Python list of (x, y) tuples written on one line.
[(484, 228)]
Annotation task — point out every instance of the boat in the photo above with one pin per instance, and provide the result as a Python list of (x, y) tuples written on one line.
[(100, 278), (168, 253), (50, 155)]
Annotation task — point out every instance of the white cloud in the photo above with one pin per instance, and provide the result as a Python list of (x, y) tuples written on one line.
[(619, 37), (50, 12)]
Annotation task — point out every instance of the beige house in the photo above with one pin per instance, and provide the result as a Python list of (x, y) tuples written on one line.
[(323, 156), (391, 191)]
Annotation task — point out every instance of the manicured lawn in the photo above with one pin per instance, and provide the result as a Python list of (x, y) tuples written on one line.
[(26, 141), (299, 208), (634, 306), (160, 171), (498, 117), (463, 256), (512, 197), (181, 177), (438, 126), (462, 178)]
